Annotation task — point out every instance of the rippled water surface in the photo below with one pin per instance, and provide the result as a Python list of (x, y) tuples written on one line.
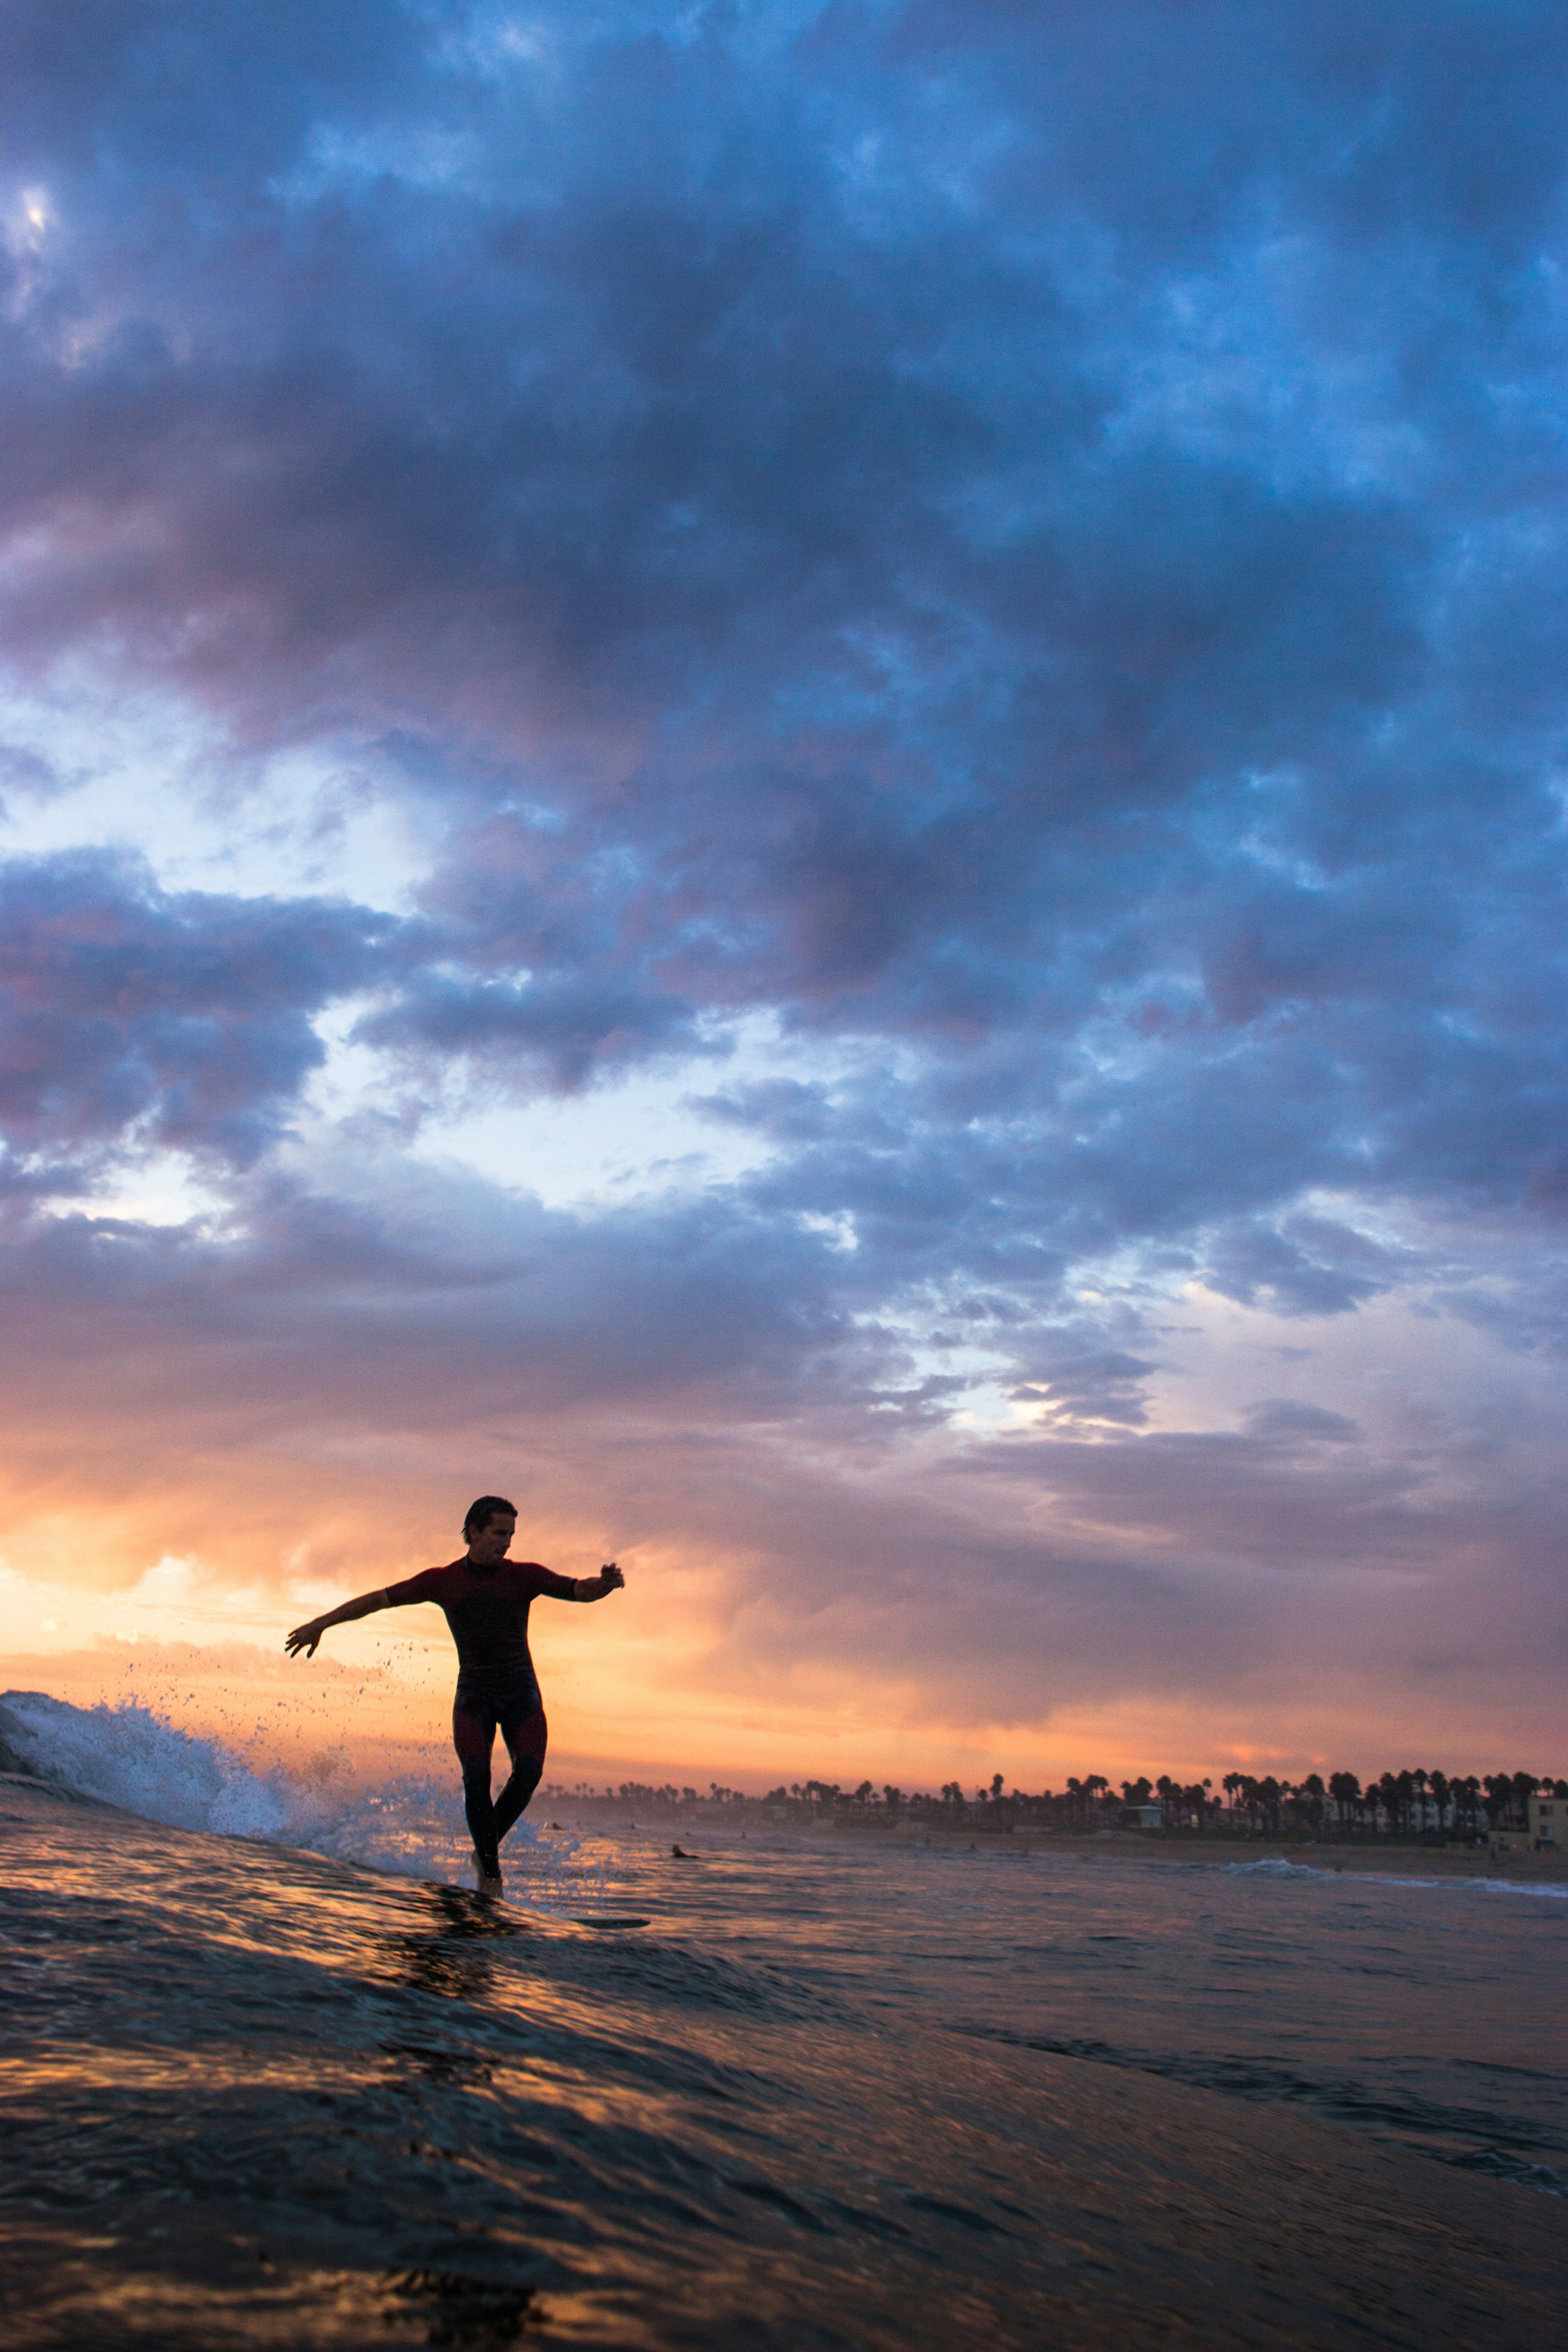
[(823, 2096)]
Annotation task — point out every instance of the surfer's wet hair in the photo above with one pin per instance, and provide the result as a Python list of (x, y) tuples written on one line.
[(481, 1514)]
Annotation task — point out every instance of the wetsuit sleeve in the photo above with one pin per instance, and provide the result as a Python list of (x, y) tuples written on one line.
[(426, 1586), (538, 1581)]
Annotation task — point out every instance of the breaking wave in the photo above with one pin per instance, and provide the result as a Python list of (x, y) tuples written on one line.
[(129, 1755), (1277, 1867)]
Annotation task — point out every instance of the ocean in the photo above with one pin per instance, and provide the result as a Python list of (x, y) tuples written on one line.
[(272, 2078)]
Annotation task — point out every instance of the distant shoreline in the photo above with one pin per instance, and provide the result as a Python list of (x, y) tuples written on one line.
[(1396, 1862), (1384, 1862), (1391, 1861)]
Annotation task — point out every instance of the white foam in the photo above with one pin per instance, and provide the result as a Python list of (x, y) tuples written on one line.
[(129, 1755), (1276, 1867)]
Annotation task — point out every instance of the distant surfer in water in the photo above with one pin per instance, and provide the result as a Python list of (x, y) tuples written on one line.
[(486, 1599)]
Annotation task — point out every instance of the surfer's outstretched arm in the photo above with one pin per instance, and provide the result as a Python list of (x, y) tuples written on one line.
[(305, 1637), (594, 1588)]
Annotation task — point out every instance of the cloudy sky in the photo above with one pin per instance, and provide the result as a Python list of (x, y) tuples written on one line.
[(793, 775)]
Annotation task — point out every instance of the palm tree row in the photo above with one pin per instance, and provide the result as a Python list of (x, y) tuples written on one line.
[(1416, 1804), (1413, 1803)]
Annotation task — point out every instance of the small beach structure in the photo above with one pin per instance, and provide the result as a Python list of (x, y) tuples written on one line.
[(1142, 1817)]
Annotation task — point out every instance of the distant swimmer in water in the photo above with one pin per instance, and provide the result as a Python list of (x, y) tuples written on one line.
[(486, 1598)]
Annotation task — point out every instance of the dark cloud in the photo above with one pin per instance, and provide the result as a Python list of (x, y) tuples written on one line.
[(1279, 1418), (1334, 1270), (182, 1021), (550, 1033), (25, 772), (1105, 1384)]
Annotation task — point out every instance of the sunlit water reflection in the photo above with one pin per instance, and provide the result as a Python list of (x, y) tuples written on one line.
[(825, 2096)]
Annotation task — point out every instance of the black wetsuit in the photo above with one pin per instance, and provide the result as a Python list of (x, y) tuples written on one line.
[(486, 1609)]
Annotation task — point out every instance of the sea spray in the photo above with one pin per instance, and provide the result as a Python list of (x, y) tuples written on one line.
[(127, 1755)]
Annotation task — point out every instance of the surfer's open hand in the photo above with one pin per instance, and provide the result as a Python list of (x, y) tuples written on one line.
[(305, 1637), (614, 1580)]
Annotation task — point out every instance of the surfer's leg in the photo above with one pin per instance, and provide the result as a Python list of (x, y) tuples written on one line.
[(525, 1736), (473, 1736)]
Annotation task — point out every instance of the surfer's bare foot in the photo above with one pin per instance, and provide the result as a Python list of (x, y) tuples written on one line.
[(487, 1882)]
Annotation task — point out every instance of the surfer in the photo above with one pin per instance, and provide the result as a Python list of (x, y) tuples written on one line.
[(485, 1598)]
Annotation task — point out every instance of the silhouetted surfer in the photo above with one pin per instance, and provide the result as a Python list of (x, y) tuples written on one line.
[(486, 1599)]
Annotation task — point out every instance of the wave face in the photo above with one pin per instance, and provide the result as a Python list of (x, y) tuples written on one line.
[(128, 1755)]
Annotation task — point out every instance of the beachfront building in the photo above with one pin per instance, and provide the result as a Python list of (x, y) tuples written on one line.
[(1142, 1817), (1548, 1821)]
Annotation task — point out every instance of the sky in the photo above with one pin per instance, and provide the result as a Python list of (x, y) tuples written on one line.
[(794, 777)]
